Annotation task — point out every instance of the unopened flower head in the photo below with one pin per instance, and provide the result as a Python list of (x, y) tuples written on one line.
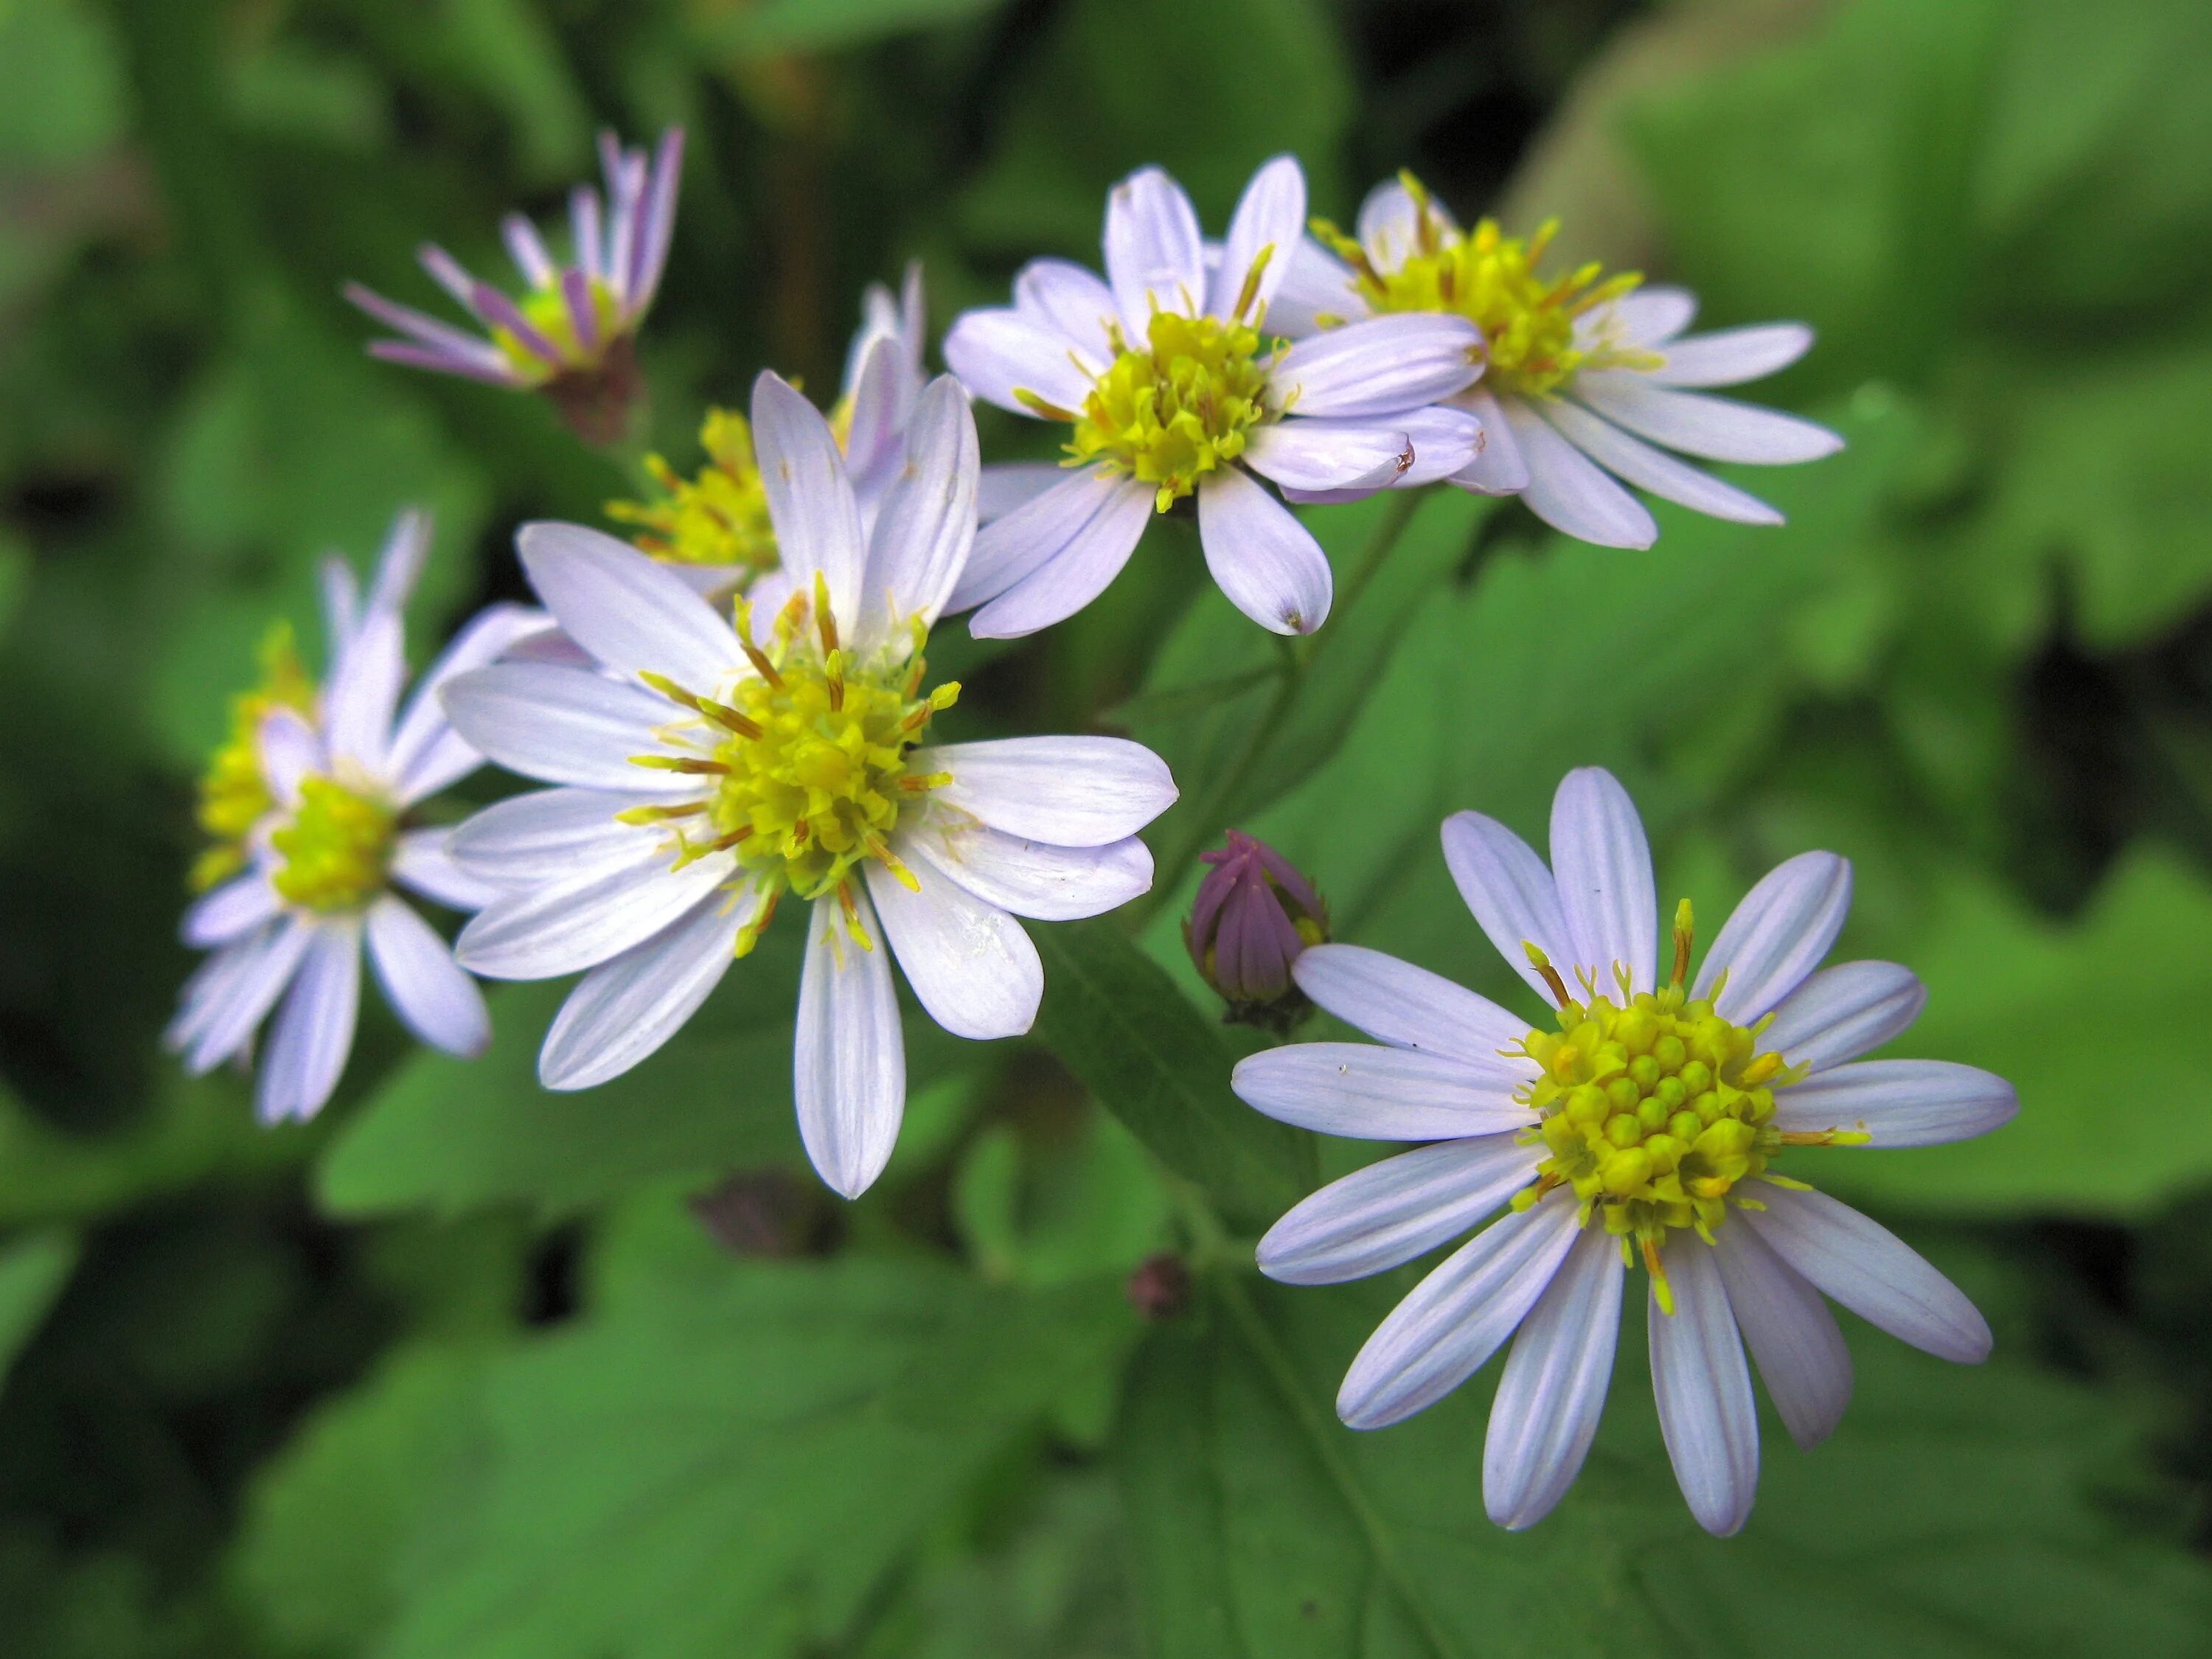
[(572, 334), (305, 805), (1653, 1119), (716, 523), (708, 772), (1254, 914), (1588, 381), (1173, 384)]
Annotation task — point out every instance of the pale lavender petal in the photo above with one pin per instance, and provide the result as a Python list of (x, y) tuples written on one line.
[(1409, 1007), (501, 313), (423, 862), (1639, 463), (427, 754), (1002, 486), (651, 247), (341, 596), (972, 968), (312, 1032), (1650, 316), (1031, 533), (230, 912), (583, 311), (288, 750), (550, 836), (1316, 284), (425, 985), (584, 230), (1703, 1389), (1859, 1263), (1270, 218), (1368, 1092), (228, 997), (1379, 366), (1029, 878), (1390, 224), (999, 353), (527, 249), (810, 498), (562, 724), (1603, 867), (1498, 468), (1718, 428), (1266, 562), (448, 272), (627, 611), (1844, 1011), (1777, 935), (849, 1055), (622, 1011), (1395, 1210), (1072, 791), (1070, 301), (1569, 491), (1901, 1102), (1733, 355), (1459, 1315), (1330, 455), (540, 932), (1059, 583), (363, 691), (926, 525), (444, 342), (439, 361), (1510, 892), (1791, 1335), (1548, 1402), (1154, 257)]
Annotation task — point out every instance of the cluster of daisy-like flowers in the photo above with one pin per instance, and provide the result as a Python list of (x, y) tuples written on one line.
[(734, 712)]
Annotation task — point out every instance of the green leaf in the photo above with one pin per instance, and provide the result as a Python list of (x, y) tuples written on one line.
[(452, 1135), (1950, 1515), (1047, 1211), (1115, 1019), (33, 1270), (736, 1466), (781, 26), (2049, 1005)]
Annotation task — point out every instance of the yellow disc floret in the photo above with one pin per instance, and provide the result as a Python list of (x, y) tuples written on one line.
[(1653, 1110), (1180, 409), (809, 757), (337, 849), (1490, 278), (719, 518), (546, 310), (234, 796)]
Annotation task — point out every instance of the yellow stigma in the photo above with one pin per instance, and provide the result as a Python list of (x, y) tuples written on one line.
[(234, 796), (1654, 1109), (546, 310), (808, 756), (1490, 278), (719, 518), (1172, 413), (337, 849)]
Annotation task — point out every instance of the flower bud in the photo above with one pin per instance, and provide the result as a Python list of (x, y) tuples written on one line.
[(1253, 916)]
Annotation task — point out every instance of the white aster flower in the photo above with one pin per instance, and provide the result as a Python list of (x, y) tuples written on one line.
[(1648, 1124), (1171, 388), (702, 775), (315, 790), (1581, 372)]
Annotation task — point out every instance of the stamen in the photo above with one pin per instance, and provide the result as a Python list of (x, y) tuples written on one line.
[(749, 935), (649, 815), (1250, 291), (1542, 964), (681, 764), (1685, 930), (1825, 1138), (1661, 1292), (881, 848)]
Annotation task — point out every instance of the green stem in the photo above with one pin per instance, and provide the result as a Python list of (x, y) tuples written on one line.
[(1205, 821), (1322, 1436)]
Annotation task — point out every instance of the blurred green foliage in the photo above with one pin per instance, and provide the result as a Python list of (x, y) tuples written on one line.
[(467, 1369)]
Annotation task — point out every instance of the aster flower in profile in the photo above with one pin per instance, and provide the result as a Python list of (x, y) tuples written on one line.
[(714, 527), (573, 333), (1253, 916), (1589, 379), (705, 774), (307, 805), (1172, 388), (1649, 1121)]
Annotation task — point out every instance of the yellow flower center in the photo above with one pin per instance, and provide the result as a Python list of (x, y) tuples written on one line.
[(719, 518), (1181, 409), (1490, 278), (338, 847), (808, 757), (546, 310), (1654, 1109), (234, 796)]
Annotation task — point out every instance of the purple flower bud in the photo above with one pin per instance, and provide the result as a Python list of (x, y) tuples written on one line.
[(1253, 916)]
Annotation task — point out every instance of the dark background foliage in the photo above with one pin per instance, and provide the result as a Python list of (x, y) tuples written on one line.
[(464, 1370)]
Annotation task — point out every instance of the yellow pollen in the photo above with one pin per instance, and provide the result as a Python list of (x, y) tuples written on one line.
[(1180, 409), (809, 757), (234, 796), (336, 849), (546, 310), (1490, 278), (721, 517), (1654, 1110)]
